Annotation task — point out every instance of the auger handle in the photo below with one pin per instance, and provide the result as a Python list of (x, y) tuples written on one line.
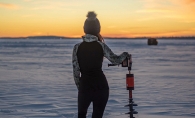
[(113, 65)]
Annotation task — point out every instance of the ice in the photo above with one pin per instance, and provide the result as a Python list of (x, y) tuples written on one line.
[(36, 79)]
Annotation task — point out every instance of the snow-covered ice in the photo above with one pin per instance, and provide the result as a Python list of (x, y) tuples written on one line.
[(36, 79)]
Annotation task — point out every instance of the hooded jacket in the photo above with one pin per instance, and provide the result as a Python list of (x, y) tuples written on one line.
[(87, 61)]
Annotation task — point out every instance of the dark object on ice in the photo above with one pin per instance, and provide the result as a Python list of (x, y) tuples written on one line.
[(152, 41), (129, 85)]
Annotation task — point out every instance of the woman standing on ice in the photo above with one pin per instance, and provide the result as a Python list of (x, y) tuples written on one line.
[(87, 59)]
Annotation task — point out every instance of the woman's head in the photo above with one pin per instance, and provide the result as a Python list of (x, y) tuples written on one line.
[(92, 24)]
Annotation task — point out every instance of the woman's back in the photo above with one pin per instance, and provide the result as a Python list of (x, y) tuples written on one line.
[(90, 57)]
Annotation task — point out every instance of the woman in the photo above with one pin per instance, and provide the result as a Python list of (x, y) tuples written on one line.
[(87, 59)]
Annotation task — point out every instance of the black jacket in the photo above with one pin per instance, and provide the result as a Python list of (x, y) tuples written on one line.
[(87, 60)]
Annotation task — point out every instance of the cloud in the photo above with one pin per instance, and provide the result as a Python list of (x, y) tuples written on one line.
[(189, 1), (27, 0), (8, 6), (179, 10), (183, 2), (44, 7), (38, 33), (154, 10), (27, 16), (156, 7), (188, 21), (51, 5), (111, 27), (124, 31)]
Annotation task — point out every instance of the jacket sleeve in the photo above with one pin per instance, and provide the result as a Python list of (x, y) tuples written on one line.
[(113, 58), (76, 68)]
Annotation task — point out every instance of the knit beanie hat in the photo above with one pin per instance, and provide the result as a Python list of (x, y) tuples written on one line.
[(92, 24)]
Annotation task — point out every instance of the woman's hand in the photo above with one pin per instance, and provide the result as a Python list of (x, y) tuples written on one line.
[(127, 54), (100, 38)]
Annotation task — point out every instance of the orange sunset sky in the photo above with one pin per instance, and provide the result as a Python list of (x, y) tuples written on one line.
[(118, 18)]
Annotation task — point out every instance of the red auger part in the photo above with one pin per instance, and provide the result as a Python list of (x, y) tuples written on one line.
[(130, 81)]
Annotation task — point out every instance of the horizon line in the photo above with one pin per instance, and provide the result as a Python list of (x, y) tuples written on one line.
[(109, 37)]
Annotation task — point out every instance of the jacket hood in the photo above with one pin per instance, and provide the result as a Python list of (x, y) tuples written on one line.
[(89, 38)]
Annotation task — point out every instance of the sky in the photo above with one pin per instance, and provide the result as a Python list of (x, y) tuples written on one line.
[(118, 18)]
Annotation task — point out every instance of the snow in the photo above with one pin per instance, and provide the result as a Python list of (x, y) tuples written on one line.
[(36, 79)]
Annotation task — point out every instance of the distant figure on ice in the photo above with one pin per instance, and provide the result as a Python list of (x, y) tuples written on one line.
[(87, 61)]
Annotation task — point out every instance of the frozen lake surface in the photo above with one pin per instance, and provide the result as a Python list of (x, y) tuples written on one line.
[(36, 79)]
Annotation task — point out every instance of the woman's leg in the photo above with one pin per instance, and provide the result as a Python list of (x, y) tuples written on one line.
[(84, 100), (100, 99)]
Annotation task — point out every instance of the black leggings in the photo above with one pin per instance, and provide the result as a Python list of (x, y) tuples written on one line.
[(99, 99)]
